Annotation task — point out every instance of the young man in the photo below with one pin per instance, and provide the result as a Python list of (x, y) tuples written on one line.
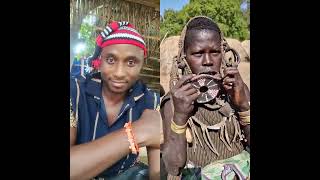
[(105, 103), (205, 138)]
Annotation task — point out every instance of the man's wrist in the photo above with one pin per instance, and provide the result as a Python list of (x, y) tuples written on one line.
[(140, 136)]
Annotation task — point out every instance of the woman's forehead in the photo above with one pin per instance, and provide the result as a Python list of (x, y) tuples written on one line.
[(205, 34), (204, 38)]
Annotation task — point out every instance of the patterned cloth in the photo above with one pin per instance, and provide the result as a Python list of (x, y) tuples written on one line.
[(227, 169), (236, 167), (73, 121)]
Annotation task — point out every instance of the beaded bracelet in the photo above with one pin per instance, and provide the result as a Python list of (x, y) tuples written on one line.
[(133, 145)]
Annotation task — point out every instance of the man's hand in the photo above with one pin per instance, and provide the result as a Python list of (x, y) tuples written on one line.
[(147, 129), (236, 88), (183, 97)]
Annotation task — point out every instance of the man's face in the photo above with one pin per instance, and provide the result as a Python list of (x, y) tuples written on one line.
[(204, 53), (120, 66)]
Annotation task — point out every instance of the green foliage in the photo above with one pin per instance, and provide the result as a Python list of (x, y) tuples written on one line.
[(227, 13), (171, 23), (87, 36)]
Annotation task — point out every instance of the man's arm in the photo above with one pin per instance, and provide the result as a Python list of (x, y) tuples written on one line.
[(73, 136), (154, 153), (89, 159), (154, 163)]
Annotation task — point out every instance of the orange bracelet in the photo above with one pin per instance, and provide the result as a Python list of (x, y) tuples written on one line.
[(133, 145)]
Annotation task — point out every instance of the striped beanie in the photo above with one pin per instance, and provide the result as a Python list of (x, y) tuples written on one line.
[(117, 33)]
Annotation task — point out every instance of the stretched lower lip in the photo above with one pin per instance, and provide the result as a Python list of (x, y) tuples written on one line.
[(209, 73)]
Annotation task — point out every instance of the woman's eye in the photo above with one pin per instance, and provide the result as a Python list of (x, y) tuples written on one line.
[(197, 54)]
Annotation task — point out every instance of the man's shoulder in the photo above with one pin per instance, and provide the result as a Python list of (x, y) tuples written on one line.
[(77, 80), (149, 97), (151, 93), (80, 84), (147, 92)]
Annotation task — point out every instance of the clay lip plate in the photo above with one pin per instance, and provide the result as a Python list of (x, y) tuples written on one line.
[(207, 86)]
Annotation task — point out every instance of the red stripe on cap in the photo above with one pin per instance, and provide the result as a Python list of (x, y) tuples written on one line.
[(115, 30), (125, 41), (99, 40), (114, 25), (127, 32)]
